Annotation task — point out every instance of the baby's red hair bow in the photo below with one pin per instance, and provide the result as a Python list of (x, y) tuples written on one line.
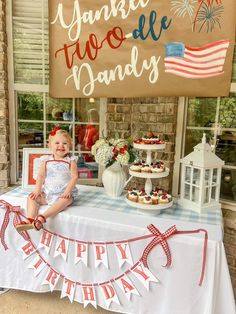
[(54, 130)]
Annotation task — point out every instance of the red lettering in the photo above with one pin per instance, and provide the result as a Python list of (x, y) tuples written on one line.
[(70, 284), (46, 238), (114, 39), (81, 248), (28, 248), (62, 247), (100, 249), (141, 272), (38, 263), (122, 250), (88, 293), (126, 285), (52, 276), (108, 291)]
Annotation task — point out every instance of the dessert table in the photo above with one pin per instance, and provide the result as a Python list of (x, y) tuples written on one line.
[(95, 219)]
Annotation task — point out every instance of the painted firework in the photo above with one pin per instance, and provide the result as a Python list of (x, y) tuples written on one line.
[(204, 15)]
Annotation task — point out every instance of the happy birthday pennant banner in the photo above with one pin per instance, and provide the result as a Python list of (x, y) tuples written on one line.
[(137, 48)]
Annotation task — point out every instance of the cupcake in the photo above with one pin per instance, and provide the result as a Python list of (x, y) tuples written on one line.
[(146, 168), (135, 167), (157, 169), (147, 200), (163, 199), (155, 198), (141, 197), (133, 196)]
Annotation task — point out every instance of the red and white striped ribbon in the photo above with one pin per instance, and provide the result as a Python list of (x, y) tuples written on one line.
[(159, 238), (10, 209)]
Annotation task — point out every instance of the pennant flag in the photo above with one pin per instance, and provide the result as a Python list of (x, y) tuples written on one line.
[(46, 241), (27, 249), (123, 253), (51, 279), (100, 253), (200, 62), (89, 296), (127, 287), (37, 265), (81, 253), (144, 275), (68, 289), (62, 246), (109, 294)]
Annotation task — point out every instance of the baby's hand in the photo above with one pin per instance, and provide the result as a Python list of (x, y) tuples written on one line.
[(34, 195), (65, 195)]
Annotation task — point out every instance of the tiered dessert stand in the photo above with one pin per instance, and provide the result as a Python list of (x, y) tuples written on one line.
[(149, 148)]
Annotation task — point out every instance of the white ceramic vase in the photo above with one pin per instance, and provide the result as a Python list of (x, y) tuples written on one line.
[(113, 179)]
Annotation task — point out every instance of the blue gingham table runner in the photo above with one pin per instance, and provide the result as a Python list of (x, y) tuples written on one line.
[(98, 198)]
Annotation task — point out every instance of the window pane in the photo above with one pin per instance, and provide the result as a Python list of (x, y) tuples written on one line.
[(27, 41), (207, 176), (228, 184), (226, 147), (188, 174), (87, 110), (228, 111), (196, 176), (194, 137), (187, 191), (201, 112), (30, 134), (59, 109), (30, 106), (195, 194), (85, 136), (88, 168)]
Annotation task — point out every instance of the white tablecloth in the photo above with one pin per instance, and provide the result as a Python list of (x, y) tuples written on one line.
[(177, 292)]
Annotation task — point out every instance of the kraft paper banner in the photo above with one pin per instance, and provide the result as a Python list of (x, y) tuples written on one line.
[(138, 48)]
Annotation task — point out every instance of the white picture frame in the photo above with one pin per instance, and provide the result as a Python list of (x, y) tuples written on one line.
[(30, 166)]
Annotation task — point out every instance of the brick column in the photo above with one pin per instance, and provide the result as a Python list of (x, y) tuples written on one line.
[(230, 244), (4, 124)]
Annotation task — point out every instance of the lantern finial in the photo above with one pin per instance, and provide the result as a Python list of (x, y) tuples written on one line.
[(204, 138)]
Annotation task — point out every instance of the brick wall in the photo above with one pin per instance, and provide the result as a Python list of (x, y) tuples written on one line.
[(4, 129), (135, 117)]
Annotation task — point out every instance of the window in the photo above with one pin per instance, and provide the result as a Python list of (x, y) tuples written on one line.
[(216, 118), (33, 112)]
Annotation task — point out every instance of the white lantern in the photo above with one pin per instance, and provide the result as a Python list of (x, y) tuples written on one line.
[(200, 179)]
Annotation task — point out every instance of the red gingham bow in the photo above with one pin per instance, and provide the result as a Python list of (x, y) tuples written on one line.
[(159, 238), (14, 209), (54, 130)]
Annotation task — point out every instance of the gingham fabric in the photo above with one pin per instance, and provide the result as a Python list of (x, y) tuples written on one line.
[(98, 198)]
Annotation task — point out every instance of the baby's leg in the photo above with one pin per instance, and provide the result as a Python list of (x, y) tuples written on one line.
[(57, 207), (34, 204)]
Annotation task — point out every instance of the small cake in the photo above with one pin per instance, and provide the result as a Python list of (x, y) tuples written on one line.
[(135, 167), (150, 139), (141, 197), (163, 198), (147, 200), (155, 198), (157, 168), (146, 168), (133, 196)]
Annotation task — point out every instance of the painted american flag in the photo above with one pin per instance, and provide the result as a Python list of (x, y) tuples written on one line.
[(200, 62)]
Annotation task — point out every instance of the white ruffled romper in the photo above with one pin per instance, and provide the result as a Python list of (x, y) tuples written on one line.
[(57, 177)]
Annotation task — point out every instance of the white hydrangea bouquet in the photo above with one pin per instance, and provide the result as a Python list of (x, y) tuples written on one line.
[(108, 151)]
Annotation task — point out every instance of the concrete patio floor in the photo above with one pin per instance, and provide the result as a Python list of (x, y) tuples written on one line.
[(22, 302)]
